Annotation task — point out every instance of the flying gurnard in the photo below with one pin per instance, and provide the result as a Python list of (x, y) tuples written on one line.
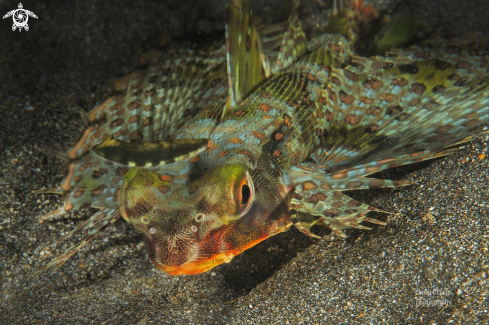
[(210, 152)]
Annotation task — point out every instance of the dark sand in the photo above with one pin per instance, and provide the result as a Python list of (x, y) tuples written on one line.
[(428, 265)]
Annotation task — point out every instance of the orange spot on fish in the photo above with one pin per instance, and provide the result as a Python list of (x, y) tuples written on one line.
[(223, 153), (309, 185), (99, 172), (84, 167), (322, 100), (193, 189), (352, 119), (287, 121), (312, 77), (264, 107), (163, 189), (79, 192), (134, 105), (133, 119), (116, 194), (400, 82), (347, 99), (149, 93), (279, 136), (387, 97), (258, 135), (211, 145), (134, 136), (99, 190), (194, 160), (147, 121), (165, 177), (116, 122), (239, 113), (373, 84), (114, 181)]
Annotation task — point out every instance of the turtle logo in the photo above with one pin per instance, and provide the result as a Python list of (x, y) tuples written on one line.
[(20, 17)]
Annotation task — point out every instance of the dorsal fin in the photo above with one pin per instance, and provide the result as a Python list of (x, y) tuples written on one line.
[(246, 63), (401, 32), (149, 154), (351, 21), (293, 43)]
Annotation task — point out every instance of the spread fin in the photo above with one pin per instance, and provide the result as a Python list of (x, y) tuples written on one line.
[(149, 154), (247, 66), (271, 38), (311, 206), (318, 197)]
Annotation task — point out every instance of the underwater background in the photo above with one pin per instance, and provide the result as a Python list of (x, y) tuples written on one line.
[(429, 264)]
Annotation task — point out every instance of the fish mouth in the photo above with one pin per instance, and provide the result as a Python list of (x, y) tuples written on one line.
[(195, 267), (177, 251), (218, 247), (178, 256), (201, 265)]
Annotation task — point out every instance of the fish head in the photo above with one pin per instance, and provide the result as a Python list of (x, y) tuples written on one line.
[(194, 222)]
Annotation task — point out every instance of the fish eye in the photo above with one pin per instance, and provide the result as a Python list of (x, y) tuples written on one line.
[(245, 194)]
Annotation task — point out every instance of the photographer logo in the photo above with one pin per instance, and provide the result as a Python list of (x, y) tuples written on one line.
[(20, 17)]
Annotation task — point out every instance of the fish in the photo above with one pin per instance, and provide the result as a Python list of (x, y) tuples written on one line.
[(209, 152)]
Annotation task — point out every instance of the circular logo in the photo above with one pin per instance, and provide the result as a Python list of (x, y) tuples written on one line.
[(20, 18)]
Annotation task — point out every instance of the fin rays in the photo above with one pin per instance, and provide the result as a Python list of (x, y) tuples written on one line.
[(330, 208), (247, 66), (103, 220)]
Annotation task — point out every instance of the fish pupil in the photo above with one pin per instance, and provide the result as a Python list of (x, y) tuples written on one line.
[(245, 194)]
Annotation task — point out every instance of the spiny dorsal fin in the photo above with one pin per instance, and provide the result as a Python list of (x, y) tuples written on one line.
[(351, 21), (247, 65), (293, 43), (147, 154)]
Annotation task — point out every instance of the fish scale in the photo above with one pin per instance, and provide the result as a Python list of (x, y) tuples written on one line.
[(298, 123)]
